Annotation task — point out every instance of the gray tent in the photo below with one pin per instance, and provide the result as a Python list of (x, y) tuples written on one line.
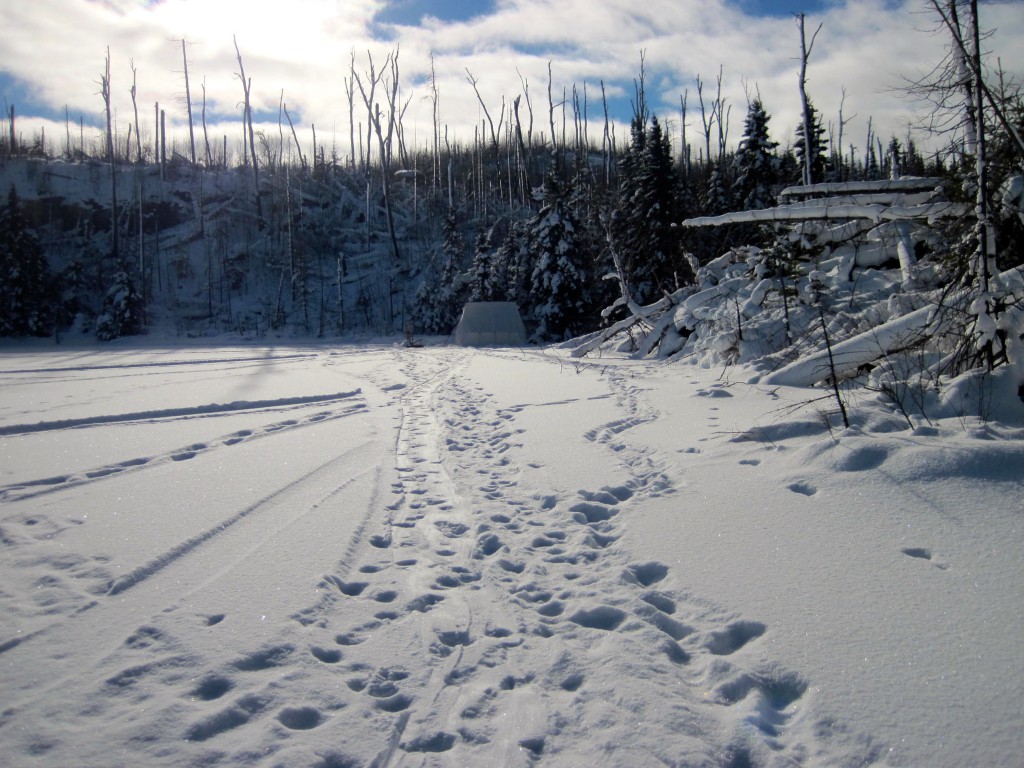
[(490, 324)]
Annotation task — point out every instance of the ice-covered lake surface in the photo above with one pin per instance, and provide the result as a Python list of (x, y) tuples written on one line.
[(356, 555)]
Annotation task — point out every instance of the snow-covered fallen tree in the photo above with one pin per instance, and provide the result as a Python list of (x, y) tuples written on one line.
[(847, 288)]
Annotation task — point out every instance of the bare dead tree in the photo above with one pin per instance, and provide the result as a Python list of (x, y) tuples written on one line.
[(384, 139), (188, 103), (163, 143), (206, 136), (842, 126), (494, 132), (105, 93), (350, 93), (373, 77), (805, 55), (684, 147), (10, 114), (156, 135), (707, 121), (551, 109), (524, 177), (528, 152), (723, 115), (606, 140), (247, 90), (640, 91), (135, 109), (435, 97), (967, 60), (295, 138), (280, 129)]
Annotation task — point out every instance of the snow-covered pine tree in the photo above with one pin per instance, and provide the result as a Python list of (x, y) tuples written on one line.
[(440, 298), (649, 203), (26, 295), (72, 305), (819, 145), (558, 279), (121, 314), (716, 199), (513, 267), (757, 164), (482, 287)]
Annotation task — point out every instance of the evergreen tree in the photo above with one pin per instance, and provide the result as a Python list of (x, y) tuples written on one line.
[(894, 159), (439, 300), (72, 291), (513, 267), (558, 279), (819, 145), (872, 170), (716, 198), (913, 164), (121, 314), (26, 295), (757, 165), (482, 286), (649, 204)]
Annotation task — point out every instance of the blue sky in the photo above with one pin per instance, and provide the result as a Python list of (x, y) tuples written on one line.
[(54, 53), (410, 12)]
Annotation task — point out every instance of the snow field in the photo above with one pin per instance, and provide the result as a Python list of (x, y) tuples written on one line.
[(492, 557)]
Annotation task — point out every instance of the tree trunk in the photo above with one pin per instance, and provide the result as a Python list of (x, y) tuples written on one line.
[(135, 109), (188, 104), (105, 90), (805, 54), (247, 88)]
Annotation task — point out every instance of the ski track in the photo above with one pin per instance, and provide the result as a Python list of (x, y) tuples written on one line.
[(32, 488), (152, 654), (492, 602)]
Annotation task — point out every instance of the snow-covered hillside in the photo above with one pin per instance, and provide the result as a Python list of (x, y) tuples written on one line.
[(297, 555)]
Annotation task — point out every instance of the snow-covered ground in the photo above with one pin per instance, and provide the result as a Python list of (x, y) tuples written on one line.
[(377, 556)]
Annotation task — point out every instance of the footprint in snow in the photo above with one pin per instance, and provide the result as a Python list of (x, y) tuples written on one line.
[(922, 553), (646, 574), (326, 655), (212, 688), (300, 718), (725, 642), (802, 488), (603, 617), (713, 392)]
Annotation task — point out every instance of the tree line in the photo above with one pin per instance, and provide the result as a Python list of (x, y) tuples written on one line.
[(556, 219)]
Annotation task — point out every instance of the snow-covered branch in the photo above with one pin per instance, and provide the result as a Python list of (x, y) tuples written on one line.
[(872, 212)]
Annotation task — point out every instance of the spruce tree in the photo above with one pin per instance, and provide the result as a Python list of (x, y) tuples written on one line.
[(757, 165), (121, 314), (513, 267), (649, 204), (26, 286), (482, 287), (439, 300), (819, 145), (558, 279), (716, 199)]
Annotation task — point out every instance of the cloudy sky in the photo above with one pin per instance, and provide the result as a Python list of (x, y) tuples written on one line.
[(54, 50)]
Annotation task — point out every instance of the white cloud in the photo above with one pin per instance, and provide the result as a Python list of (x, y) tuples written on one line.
[(303, 47)]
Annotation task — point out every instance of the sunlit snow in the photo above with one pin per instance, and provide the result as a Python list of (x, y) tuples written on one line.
[(342, 555)]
